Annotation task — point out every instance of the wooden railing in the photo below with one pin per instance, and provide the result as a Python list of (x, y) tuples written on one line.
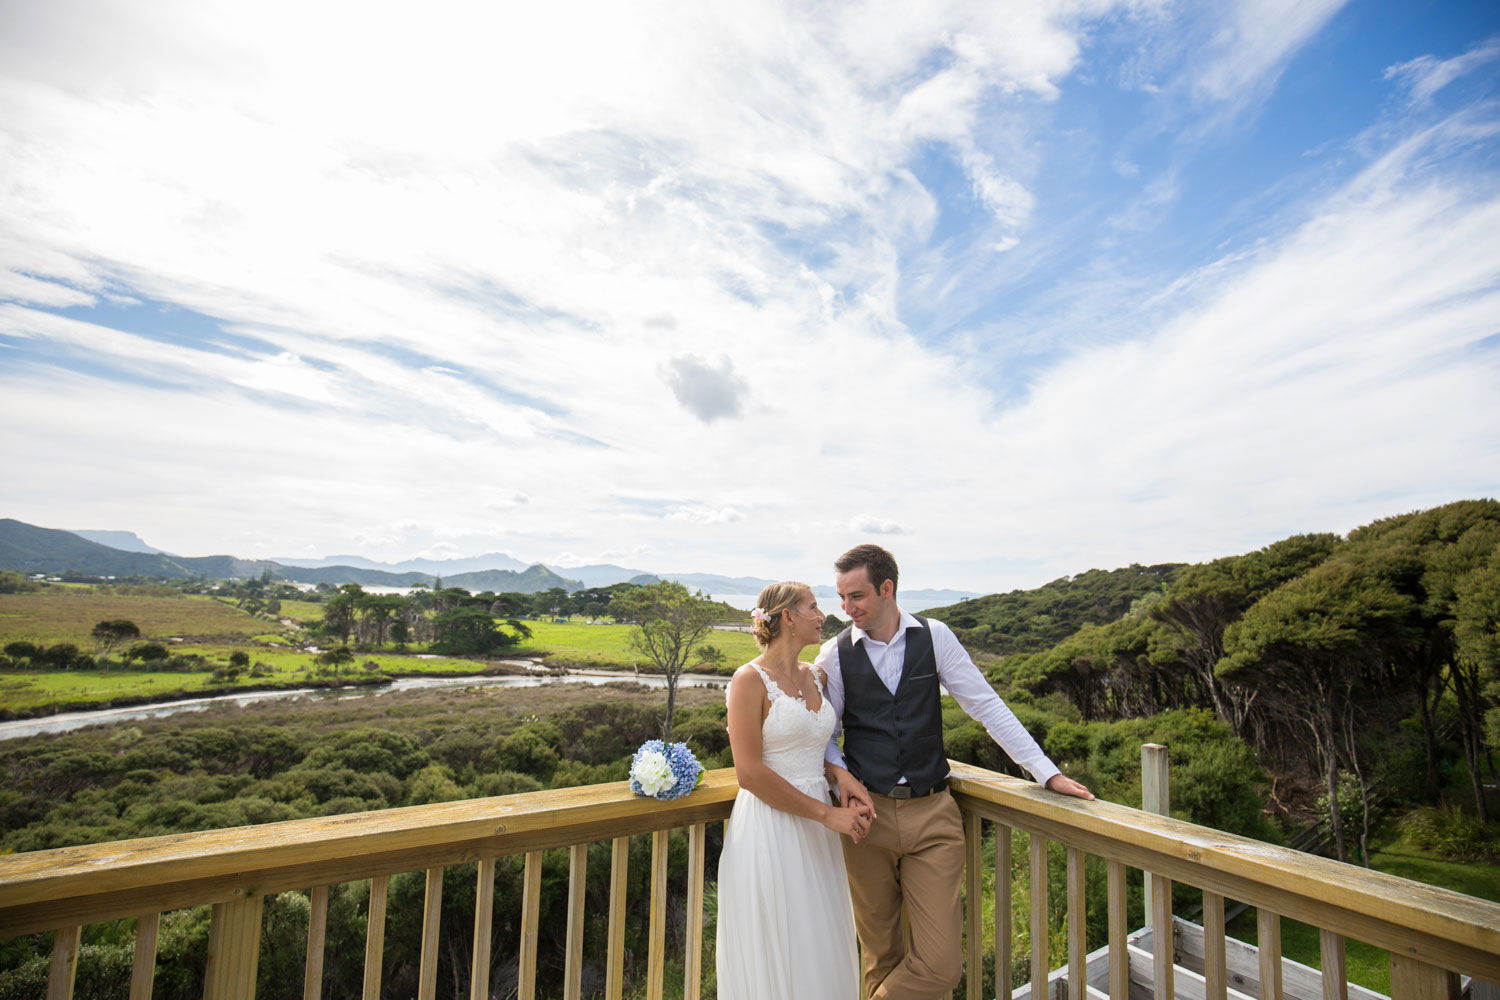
[(1432, 934)]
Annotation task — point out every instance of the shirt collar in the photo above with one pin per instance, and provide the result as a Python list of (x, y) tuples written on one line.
[(908, 620)]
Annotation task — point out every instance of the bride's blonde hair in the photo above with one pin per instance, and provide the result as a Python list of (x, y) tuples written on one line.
[(773, 600)]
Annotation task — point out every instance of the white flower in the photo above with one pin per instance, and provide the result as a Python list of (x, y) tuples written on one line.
[(653, 773)]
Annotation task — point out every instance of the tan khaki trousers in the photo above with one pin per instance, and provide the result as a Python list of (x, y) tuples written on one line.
[(913, 857)]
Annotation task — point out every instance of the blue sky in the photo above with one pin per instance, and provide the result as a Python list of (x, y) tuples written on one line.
[(1017, 289)]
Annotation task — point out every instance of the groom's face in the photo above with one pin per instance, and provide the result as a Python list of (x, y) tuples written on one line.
[(867, 607)]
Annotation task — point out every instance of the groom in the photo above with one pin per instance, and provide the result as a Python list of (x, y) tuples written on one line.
[(884, 673)]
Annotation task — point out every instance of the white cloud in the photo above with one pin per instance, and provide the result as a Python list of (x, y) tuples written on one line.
[(865, 524), (1425, 75)]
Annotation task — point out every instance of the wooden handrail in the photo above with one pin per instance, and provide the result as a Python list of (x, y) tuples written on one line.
[(1418, 922), (44, 890), (1427, 930)]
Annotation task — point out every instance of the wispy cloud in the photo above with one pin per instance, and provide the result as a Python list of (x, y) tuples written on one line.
[(725, 288)]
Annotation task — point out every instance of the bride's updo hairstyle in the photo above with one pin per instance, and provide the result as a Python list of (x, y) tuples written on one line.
[(773, 600)]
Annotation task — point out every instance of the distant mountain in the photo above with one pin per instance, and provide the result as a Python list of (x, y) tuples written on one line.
[(598, 574), (125, 541), (30, 549), (533, 580), (432, 567), (339, 575)]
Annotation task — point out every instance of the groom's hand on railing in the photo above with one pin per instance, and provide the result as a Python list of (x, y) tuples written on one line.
[(1064, 785)]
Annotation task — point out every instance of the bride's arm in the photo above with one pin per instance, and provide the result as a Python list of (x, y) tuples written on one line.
[(747, 695)]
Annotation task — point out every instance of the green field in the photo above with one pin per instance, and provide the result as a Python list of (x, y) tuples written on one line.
[(69, 616)]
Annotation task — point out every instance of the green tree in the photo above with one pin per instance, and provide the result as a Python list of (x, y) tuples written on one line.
[(109, 634), (670, 622)]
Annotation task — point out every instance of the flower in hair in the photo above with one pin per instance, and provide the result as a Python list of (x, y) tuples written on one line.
[(759, 614)]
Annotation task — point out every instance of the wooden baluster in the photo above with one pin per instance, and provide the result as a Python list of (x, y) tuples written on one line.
[(1215, 969), (619, 866), (973, 904), (1039, 963), (531, 911), (317, 935), (656, 946), (692, 955), (1268, 925), (1161, 936), (1078, 945), (375, 937), (143, 970), (1004, 921), (1414, 980), (432, 917), (578, 868), (1335, 969), (1119, 930), (233, 950), (64, 965), (484, 915)]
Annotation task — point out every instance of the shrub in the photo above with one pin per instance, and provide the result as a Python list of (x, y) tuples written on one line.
[(22, 650), (147, 652), (1451, 833)]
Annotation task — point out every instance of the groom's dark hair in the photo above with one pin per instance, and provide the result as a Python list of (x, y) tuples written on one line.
[(878, 563)]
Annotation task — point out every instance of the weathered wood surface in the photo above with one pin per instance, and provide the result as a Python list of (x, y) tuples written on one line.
[(1421, 922), (43, 890)]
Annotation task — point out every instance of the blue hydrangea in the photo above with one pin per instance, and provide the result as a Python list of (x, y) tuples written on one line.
[(656, 764)]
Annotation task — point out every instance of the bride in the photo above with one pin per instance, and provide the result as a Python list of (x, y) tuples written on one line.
[(786, 925)]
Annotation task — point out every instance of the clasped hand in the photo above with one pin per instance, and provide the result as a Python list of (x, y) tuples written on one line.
[(852, 819)]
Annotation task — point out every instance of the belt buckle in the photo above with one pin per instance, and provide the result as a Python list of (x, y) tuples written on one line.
[(900, 792)]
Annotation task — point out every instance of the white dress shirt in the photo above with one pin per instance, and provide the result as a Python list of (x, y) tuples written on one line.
[(956, 672)]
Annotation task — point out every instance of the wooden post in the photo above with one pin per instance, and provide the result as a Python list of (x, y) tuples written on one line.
[(233, 950), (1268, 947), (64, 964), (973, 906), (1215, 968), (1161, 937), (143, 972), (1119, 930), (614, 968), (1413, 980), (1335, 968), (1039, 963), (317, 936), (692, 954), (578, 869), (656, 929), (1155, 794), (1078, 946), (1004, 922), (531, 913), (432, 918), (484, 915), (375, 937)]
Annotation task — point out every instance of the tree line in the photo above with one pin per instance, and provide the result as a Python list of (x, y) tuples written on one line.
[(1316, 650)]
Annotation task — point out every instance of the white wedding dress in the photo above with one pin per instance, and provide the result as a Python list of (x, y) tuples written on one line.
[(786, 925)]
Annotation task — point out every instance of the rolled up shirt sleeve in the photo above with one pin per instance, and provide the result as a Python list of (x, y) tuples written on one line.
[(957, 673), (828, 660)]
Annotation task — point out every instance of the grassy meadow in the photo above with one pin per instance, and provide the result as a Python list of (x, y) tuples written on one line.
[(192, 625), (57, 615)]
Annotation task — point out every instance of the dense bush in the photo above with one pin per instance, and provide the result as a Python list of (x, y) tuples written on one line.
[(1451, 833)]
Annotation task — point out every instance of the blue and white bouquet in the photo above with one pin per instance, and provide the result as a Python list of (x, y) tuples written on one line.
[(664, 770)]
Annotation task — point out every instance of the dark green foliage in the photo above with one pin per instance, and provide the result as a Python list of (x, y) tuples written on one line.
[(1032, 620), (1452, 834), (22, 650), (147, 652)]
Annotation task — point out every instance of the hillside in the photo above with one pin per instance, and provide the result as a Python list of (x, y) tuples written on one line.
[(1026, 621), (27, 548)]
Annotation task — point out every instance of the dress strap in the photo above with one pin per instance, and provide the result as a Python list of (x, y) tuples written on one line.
[(773, 690)]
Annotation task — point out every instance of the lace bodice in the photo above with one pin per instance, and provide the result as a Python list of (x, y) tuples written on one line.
[(792, 737)]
